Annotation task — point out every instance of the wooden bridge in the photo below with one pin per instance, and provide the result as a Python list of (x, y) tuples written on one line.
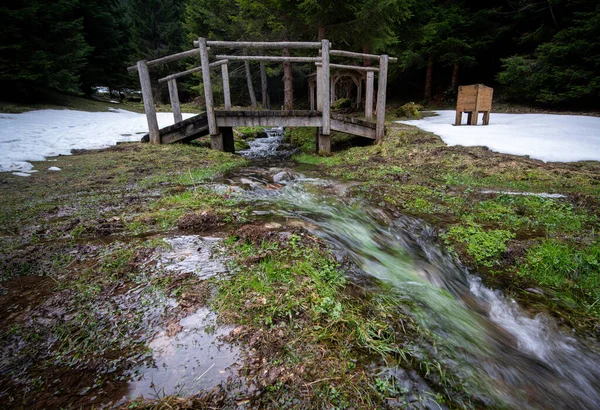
[(218, 123)]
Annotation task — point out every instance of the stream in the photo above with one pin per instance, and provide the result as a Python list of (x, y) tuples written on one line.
[(510, 357)]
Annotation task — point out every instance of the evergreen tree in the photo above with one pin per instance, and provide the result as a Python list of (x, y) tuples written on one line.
[(106, 30), (41, 45)]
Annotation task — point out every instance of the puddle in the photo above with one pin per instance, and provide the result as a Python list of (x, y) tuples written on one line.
[(193, 360), (540, 195), (193, 254)]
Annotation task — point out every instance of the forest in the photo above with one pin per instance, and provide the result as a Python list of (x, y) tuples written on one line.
[(537, 52)]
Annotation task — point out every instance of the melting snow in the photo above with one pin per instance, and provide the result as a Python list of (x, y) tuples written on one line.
[(35, 135), (548, 137)]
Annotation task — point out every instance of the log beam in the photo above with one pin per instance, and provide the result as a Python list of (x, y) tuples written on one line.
[(191, 71), (264, 44), (146, 86), (208, 94), (174, 96), (351, 67), (167, 59), (369, 96), (381, 96), (326, 103), (359, 56), (271, 58), (226, 92)]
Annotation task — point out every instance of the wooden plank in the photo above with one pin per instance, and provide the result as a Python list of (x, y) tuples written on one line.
[(360, 56), (191, 71), (311, 96), (226, 92), (185, 130), (167, 59), (146, 87), (271, 58), (354, 129), (264, 44), (208, 94), (174, 96), (325, 79), (351, 67), (237, 120), (369, 96), (381, 96)]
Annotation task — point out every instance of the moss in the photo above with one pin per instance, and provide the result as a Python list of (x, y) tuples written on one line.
[(409, 111), (483, 246)]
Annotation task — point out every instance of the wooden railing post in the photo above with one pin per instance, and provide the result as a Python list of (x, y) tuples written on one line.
[(319, 88), (174, 96), (369, 97), (325, 87), (146, 87), (311, 96), (381, 91), (226, 92), (216, 138)]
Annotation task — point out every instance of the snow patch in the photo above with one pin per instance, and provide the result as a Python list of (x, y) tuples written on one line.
[(54, 169), (35, 135), (548, 137)]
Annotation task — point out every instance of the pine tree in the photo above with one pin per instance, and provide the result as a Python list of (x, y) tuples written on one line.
[(42, 45)]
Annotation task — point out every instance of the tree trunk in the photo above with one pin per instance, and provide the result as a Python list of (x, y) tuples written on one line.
[(249, 80), (367, 49), (321, 33), (263, 86), (455, 76), (429, 78), (288, 86)]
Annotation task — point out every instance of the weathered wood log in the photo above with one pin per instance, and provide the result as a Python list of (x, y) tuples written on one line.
[(264, 44), (271, 58), (351, 67), (369, 96), (167, 59), (226, 92), (381, 95), (208, 94), (191, 71), (324, 143), (174, 96), (360, 56), (146, 86), (325, 87)]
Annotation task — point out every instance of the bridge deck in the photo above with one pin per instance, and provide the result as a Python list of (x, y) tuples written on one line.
[(197, 126)]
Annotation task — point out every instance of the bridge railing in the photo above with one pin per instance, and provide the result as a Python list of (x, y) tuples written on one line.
[(322, 83)]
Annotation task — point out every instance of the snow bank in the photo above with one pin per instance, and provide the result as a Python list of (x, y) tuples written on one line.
[(35, 135), (565, 138)]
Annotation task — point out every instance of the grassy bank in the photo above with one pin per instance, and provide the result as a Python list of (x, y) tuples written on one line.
[(544, 251)]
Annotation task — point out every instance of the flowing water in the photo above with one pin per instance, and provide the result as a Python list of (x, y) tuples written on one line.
[(508, 356)]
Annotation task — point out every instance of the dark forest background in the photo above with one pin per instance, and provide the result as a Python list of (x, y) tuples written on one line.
[(537, 52)]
